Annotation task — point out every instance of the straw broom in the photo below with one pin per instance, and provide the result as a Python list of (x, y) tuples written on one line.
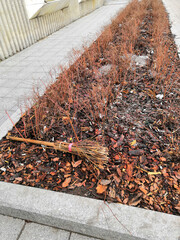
[(91, 150)]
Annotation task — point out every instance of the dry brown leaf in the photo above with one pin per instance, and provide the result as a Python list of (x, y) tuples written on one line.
[(18, 179), (77, 163), (105, 182), (116, 179), (143, 190), (136, 200), (129, 169), (67, 175), (177, 187), (81, 184), (112, 192), (151, 201), (178, 206), (23, 146), (135, 203), (58, 181), (125, 200), (115, 145), (66, 182), (100, 189), (68, 164), (29, 166), (19, 168), (164, 172), (118, 199), (177, 174), (119, 172), (162, 159), (15, 163), (131, 185), (117, 157), (65, 120)]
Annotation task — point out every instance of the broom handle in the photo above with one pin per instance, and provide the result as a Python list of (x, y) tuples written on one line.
[(50, 144)]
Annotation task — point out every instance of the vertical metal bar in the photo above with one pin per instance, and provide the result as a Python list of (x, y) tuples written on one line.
[(18, 23), (13, 22), (4, 37), (26, 23), (10, 29)]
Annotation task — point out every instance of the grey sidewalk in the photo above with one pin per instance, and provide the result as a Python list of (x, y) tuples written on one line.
[(173, 8), (17, 229), (24, 70)]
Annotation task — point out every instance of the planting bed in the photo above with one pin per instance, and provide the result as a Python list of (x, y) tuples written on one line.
[(123, 93)]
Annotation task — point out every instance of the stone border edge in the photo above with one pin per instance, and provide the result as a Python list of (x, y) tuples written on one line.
[(86, 216)]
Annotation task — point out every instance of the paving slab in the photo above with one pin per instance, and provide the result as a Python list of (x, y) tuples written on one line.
[(10, 228), (76, 236), (35, 64), (86, 216), (33, 231)]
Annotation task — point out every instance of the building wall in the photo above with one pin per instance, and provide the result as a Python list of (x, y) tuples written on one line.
[(18, 31)]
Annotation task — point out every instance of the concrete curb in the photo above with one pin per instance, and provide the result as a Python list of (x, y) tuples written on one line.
[(86, 216), (7, 125)]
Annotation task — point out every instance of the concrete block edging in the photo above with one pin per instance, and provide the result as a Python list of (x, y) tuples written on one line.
[(86, 216)]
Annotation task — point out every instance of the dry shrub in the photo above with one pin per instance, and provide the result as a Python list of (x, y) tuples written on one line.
[(164, 54), (82, 91)]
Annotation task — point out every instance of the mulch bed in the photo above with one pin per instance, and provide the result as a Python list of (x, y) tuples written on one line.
[(123, 93)]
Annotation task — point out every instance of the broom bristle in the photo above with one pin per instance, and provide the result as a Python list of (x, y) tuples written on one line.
[(88, 149)]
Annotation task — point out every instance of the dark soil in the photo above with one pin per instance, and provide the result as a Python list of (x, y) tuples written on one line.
[(122, 92)]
